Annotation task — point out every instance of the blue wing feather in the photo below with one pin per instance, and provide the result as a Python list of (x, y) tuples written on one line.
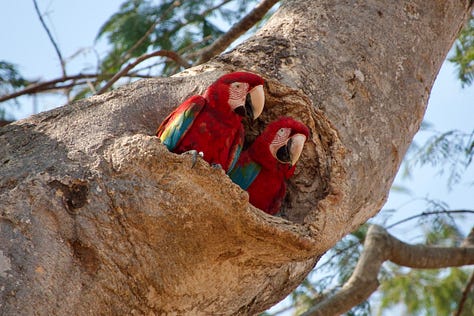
[(175, 126), (245, 174), (237, 152)]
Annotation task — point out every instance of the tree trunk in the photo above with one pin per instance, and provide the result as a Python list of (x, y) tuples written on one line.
[(98, 218)]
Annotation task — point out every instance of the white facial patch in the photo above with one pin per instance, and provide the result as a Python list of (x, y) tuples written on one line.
[(237, 93), (281, 136), (280, 139)]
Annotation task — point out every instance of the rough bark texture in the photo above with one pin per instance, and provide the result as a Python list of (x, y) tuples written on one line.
[(96, 217)]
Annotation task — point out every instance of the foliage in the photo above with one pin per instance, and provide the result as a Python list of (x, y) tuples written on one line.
[(10, 80), (463, 56), (143, 26), (419, 292), (333, 270), (452, 150), (183, 27), (10, 76), (425, 292)]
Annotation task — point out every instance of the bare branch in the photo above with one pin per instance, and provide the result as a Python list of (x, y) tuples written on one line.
[(56, 47), (128, 53), (50, 85), (207, 11), (236, 30), (465, 294), (164, 53), (447, 212), (44, 86), (380, 246), (202, 14), (429, 213), (468, 242)]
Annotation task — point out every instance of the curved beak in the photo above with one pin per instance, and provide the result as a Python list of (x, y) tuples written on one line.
[(290, 152), (257, 101), (296, 144)]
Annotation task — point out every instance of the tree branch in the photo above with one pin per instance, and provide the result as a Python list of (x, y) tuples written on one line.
[(128, 53), (468, 242), (56, 47), (447, 212), (164, 53), (202, 14), (236, 30), (45, 86), (429, 213), (465, 294), (380, 246), (51, 84)]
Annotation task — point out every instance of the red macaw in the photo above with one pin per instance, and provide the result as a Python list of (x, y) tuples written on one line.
[(211, 124), (264, 167)]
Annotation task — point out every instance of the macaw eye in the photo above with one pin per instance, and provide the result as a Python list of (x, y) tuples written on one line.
[(236, 85), (281, 135), (237, 93)]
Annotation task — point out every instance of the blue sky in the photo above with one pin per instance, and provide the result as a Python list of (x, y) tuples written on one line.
[(74, 25), (450, 107)]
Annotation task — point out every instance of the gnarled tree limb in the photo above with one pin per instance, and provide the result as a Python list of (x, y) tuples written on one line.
[(380, 246)]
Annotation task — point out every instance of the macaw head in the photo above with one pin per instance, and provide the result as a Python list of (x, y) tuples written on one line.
[(280, 145), (242, 92)]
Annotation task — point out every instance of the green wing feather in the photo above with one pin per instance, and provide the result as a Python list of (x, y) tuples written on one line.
[(175, 126), (245, 174)]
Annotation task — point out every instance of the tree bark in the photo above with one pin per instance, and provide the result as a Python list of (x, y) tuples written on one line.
[(96, 217)]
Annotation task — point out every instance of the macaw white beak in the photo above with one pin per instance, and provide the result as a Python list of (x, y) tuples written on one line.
[(296, 147), (257, 98)]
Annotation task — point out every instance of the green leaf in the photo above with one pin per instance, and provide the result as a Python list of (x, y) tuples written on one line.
[(179, 26), (10, 76), (463, 56)]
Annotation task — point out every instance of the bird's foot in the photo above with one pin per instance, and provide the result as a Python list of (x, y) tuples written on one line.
[(194, 156), (217, 166)]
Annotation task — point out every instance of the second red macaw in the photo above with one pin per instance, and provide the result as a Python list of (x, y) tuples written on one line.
[(211, 123), (264, 167)]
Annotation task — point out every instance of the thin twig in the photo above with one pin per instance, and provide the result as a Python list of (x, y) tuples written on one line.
[(43, 86), (128, 53), (211, 9), (56, 47), (426, 214), (201, 14), (164, 53), (337, 253), (236, 31), (51, 84), (465, 294), (192, 46)]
